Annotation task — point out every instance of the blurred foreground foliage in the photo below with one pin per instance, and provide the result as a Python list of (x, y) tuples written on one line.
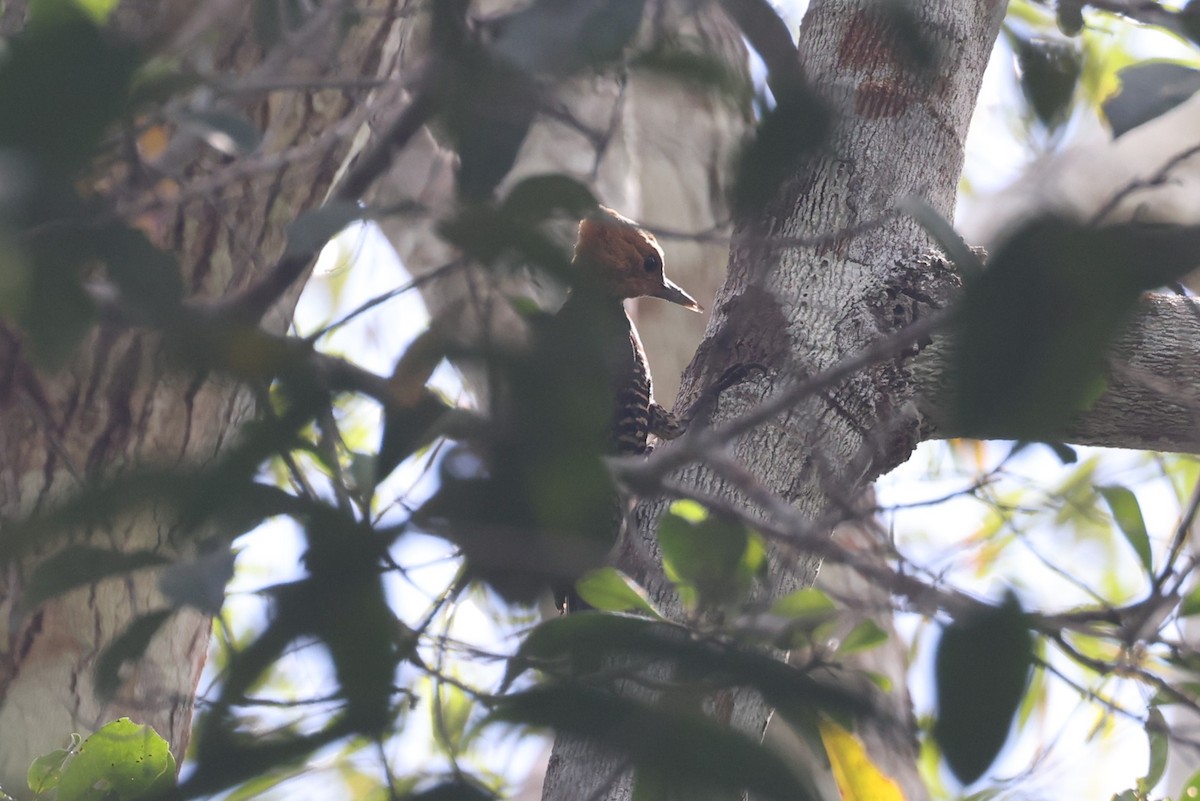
[(520, 493)]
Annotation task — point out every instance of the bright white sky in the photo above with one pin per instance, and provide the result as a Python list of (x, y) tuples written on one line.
[(931, 536)]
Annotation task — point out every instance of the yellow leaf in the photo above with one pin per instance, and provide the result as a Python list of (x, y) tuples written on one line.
[(857, 777)]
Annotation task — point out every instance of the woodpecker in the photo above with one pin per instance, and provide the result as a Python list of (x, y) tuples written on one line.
[(616, 260)]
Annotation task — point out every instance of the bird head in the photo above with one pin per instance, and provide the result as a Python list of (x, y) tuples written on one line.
[(623, 260)]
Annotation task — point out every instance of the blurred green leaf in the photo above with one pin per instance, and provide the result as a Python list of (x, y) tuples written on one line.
[(1191, 788), (686, 747), (122, 760), (450, 712), (863, 637), (1191, 603), (609, 590), (1127, 513), (1158, 739), (982, 668), (709, 556), (79, 565), (805, 602)]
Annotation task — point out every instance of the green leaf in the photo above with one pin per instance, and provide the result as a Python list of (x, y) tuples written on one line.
[(1127, 513), (450, 712), (1157, 736), (122, 760), (982, 668), (1191, 788), (609, 590), (45, 772), (864, 636), (805, 602), (1191, 603), (128, 647), (79, 565), (708, 555), (687, 747)]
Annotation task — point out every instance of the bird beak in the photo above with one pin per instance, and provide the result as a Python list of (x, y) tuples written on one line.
[(670, 291)]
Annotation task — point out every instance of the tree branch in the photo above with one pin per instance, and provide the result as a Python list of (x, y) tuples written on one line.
[(1153, 398)]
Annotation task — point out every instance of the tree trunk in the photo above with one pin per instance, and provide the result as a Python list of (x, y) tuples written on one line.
[(796, 311), (120, 403)]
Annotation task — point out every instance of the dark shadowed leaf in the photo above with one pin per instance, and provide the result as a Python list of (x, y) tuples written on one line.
[(1127, 513), (796, 127), (62, 61), (1069, 16), (1048, 70), (535, 198), (309, 232), (462, 789), (200, 582), (1148, 90), (148, 278), (982, 668), (553, 37), (685, 747), (486, 106), (79, 565), (1034, 329), (227, 132), (577, 644), (127, 648)]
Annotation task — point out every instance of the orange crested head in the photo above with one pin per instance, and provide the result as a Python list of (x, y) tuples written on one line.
[(624, 260)]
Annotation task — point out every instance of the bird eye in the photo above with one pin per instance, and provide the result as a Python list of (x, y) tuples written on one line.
[(652, 262)]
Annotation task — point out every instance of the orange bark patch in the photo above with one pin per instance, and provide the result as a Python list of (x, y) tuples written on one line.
[(868, 44), (877, 99)]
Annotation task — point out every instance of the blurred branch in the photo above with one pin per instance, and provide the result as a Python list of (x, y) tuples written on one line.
[(770, 38), (255, 301)]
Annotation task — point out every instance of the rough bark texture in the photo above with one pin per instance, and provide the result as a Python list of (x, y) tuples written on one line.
[(120, 404), (796, 311)]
